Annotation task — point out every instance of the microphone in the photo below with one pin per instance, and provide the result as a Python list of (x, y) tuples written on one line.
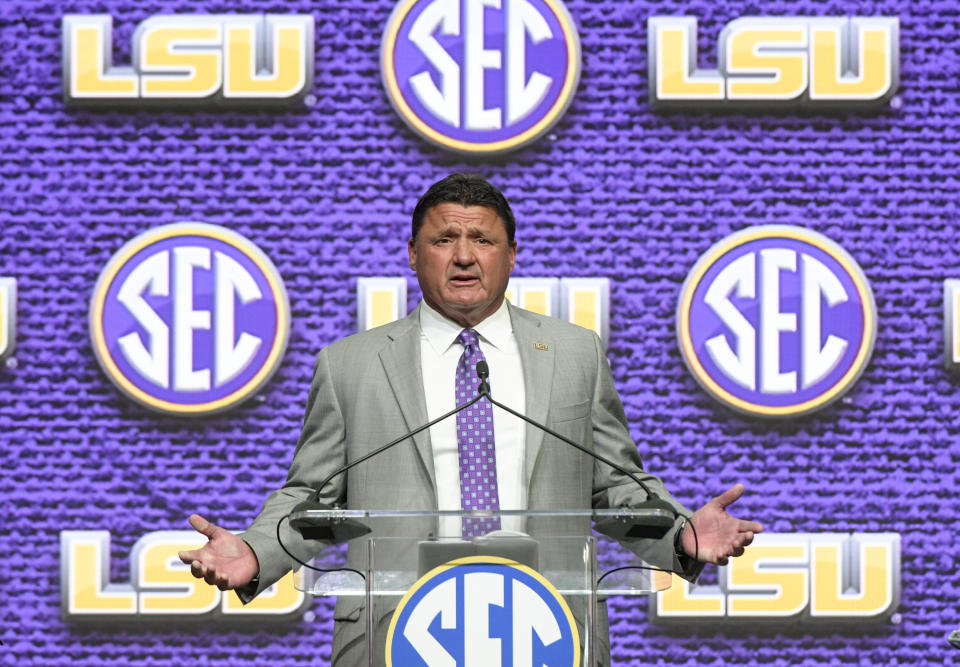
[(483, 372), (657, 514)]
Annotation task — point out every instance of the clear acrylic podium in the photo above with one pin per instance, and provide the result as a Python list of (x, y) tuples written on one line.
[(379, 560)]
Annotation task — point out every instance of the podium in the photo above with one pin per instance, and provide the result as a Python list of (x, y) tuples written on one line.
[(409, 594)]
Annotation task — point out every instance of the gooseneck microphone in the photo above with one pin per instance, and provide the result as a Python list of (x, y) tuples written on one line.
[(658, 515)]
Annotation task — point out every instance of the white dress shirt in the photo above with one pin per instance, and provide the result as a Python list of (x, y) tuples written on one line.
[(440, 353)]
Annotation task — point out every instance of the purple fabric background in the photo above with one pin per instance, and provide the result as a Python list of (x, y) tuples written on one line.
[(325, 189)]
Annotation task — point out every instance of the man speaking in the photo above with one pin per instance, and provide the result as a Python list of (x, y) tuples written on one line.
[(372, 387)]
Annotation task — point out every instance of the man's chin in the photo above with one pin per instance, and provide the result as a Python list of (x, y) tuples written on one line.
[(466, 298), (467, 311)]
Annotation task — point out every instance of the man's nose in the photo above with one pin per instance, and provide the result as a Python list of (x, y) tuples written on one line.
[(463, 253)]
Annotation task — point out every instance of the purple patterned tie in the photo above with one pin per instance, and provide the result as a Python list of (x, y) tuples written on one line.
[(478, 456)]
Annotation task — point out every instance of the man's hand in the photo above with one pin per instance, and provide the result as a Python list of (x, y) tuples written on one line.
[(226, 561), (719, 535)]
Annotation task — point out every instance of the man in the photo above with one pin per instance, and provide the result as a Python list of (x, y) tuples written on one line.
[(374, 386)]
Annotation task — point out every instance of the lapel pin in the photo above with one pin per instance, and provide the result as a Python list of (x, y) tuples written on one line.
[(541, 346)]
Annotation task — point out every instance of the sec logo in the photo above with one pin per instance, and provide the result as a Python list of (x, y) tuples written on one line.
[(189, 319), (776, 321), (480, 76), (482, 611)]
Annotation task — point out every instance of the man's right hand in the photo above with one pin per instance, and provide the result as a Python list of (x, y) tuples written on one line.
[(226, 561)]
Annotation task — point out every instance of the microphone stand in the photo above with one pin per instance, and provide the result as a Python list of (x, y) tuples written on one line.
[(657, 515)]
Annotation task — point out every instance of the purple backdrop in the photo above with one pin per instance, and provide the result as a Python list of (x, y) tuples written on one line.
[(616, 190)]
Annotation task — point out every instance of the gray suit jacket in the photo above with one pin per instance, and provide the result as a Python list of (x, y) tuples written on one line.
[(368, 389)]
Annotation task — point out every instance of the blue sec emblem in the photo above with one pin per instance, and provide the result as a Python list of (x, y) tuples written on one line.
[(479, 76), (189, 319), (494, 610), (776, 321)]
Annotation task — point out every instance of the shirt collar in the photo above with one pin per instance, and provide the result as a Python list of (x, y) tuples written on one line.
[(442, 332)]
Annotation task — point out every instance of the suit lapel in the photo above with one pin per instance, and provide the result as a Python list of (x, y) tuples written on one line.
[(401, 362), (537, 358)]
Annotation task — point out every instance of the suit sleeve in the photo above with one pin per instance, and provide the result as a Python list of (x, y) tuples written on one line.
[(320, 451), (611, 439)]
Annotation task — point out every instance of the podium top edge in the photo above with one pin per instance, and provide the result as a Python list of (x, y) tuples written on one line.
[(619, 513)]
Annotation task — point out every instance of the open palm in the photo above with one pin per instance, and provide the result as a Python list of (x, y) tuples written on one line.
[(719, 536), (225, 561)]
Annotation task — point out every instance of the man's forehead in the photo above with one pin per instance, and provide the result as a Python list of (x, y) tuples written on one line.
[(450, 216), (450, 209)]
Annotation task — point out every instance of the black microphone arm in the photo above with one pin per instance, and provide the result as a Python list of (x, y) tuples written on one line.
[(341, 530), (659, 514)]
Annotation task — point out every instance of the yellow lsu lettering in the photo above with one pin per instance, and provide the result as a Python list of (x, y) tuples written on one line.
[(876, 44), (764, 63), (788, 60), (581, 301), (190, 58), (864, 591), (809, 578), (161, 584), (177, 60), (951, 323), (380, 300), (8, 316)]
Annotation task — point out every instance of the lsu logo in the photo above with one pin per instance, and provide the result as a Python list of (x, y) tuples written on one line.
[(8, 316), (480, 76), (160, 587), (826, 578), (766, 61), (776, 321), (190, 59), (951, 324), (189, 319), (483, 610)]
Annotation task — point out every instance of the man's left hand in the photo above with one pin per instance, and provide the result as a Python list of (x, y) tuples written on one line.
[(719, 536)]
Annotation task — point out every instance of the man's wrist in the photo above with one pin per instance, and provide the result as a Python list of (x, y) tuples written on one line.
[(249, 590), (678, 539), (686, 562)]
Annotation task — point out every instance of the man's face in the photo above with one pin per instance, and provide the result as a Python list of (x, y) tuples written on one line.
[(463, 261)]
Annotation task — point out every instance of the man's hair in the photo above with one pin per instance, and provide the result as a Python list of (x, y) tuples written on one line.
[(467, 190)]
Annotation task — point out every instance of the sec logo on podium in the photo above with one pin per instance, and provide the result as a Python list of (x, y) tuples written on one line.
[(189, 319), (482, 611), (480, 76), (776, 321)]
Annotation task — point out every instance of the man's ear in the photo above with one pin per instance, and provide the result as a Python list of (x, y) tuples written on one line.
[(412, 252), (513, 255)]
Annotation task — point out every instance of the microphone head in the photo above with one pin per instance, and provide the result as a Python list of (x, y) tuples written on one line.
[(312, 520), (483, 371)]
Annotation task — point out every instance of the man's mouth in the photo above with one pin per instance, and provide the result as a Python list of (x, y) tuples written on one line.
[(464, 280)]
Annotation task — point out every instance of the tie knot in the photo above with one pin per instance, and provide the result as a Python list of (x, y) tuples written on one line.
[(469, 338)]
